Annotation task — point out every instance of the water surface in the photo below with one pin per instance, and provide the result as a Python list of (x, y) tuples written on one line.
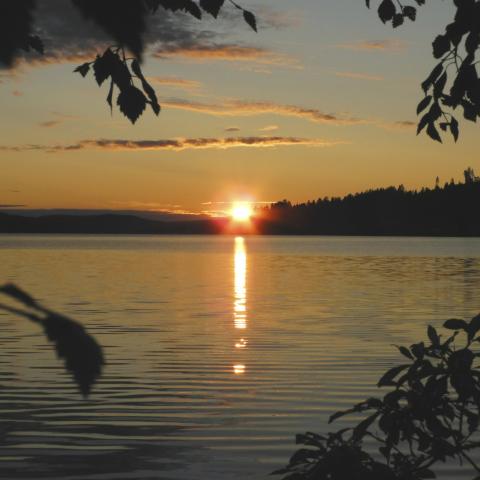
[(219, 349)]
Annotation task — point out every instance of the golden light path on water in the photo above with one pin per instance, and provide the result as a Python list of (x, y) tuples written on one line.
[(240, 297)]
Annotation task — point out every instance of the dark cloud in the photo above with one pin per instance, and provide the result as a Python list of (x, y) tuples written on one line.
[(175, 144)]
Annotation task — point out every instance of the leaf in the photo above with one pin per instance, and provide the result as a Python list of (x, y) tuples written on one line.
[(397, 20), (454, 128), (193, 9), (249, 17), (440, 85), (336, 415), (474, 326), (456, 324), (146, 87), (132, 103), (433, 336), (434, 74), (410, 12), (423, 122), (433, 132), (389, 375), (83, 69), (361, 429), (103, 66), (469, 111), (424, 104), (212, 6), (83, 355), (441, 45), (386, 10), (110, 95), (405, 351)]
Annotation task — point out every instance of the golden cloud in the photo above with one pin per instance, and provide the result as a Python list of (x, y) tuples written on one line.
[(177, 144), (242, 108)]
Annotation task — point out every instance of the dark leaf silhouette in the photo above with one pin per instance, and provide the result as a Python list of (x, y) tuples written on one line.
[(456, 324), (212, 6), (250, 19), (454, 81), (83, 356), (110, 95), (83, 69), (433, 132), (386, 10), (424, 104), (419, 423), (132, 103)]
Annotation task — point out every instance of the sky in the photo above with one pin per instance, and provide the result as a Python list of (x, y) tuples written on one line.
[(320, 102)]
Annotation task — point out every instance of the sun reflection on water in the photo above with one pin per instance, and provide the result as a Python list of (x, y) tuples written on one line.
[(240, 297), (240, 269)]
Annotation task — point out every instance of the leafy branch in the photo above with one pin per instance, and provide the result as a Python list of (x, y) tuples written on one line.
[(454, 82), (81, 353), (430, 415)]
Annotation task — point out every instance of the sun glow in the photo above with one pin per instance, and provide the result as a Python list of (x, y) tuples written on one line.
[(241, 212)]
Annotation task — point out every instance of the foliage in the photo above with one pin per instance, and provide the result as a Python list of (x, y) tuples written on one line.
[(454, 83), (430, 415), (82, 354), (114, 65), (125, 23)]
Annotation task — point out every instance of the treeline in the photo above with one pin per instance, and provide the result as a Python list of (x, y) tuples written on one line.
[(453, 209)]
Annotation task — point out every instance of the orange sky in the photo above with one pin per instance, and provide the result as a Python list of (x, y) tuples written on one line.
[(320, 102)]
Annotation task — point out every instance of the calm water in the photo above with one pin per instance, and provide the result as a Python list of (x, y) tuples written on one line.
[(219, 349)]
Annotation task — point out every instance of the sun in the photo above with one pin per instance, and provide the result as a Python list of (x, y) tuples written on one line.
[(241, 212)]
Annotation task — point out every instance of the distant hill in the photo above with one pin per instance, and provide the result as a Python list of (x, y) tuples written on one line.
[(103, 224), (451, 210)]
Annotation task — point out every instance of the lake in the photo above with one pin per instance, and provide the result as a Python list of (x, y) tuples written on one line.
[(219, 349)]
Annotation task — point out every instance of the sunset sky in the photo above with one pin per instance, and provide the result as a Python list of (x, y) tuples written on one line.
[(320, 102)]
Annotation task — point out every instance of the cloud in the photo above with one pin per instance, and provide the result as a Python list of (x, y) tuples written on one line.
[(360, 76), (177, 144), (58, 118), (201, 51), (399, 125), (269, 128), (7, 205), (375, 45), (244, 108), (232, 129), (176, 82), (70, 38), (49, 123)]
